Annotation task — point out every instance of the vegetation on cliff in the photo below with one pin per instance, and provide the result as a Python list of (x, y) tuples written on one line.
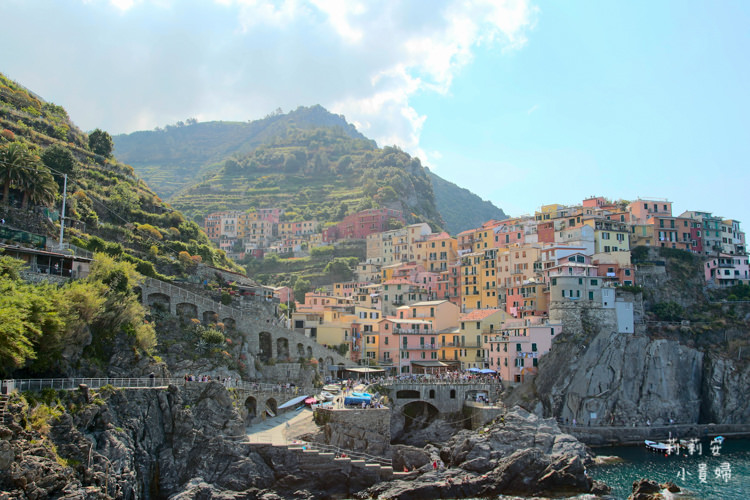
[(46, 329), (106, 201)]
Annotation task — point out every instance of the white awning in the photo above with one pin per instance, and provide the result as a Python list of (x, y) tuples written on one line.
[(294, 401)]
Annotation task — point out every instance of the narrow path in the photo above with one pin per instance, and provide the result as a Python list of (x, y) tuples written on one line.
[(276, 431)]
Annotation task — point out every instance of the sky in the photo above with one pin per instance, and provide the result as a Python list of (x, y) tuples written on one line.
[(523, 102)]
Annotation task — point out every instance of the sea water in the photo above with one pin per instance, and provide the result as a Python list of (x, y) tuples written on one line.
[(709, 474)]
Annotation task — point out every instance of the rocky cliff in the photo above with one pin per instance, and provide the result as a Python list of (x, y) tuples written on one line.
[(149, 443), (689, 368)]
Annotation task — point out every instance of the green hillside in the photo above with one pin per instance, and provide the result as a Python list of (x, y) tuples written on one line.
[(321, 174), (108, 207), (178, 156), (473, 213)]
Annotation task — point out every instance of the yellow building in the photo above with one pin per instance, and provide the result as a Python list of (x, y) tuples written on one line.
[(610, 236), (436, 252), (474, 330)]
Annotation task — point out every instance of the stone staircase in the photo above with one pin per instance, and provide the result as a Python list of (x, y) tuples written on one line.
[(322, 459), (317, 459), (5, 416)]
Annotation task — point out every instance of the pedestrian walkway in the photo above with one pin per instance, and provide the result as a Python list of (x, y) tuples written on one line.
[(283, 429)]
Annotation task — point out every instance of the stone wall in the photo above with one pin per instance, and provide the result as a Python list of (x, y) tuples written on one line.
[(368, 430), (479, 414)]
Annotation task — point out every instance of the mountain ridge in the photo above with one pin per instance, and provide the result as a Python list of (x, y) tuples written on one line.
[(172, 166)]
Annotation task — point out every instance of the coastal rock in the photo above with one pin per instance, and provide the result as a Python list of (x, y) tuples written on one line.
[(409, 457), (518, 429), (526, 472), (645, 489)]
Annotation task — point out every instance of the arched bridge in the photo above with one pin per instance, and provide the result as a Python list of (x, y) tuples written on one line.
[(446, 397), (265, 337)]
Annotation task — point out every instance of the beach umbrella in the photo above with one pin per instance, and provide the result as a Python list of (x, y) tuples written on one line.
[(310, 401), (472, 370), (487, 370)]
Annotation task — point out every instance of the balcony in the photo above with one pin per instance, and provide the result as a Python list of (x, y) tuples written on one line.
[(420, 347), (406, 331)]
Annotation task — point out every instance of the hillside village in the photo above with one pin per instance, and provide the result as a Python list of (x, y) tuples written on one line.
[(490, 298)]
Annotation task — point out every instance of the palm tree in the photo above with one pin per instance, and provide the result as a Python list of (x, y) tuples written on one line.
[(14, 159), (42, 190)]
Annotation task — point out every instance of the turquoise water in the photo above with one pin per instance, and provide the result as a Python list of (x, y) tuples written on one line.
[(684, 470)]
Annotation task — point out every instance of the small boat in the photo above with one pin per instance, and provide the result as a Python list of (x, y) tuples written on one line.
[(332, 388), (326, 396), (661, 447), (718, 439)]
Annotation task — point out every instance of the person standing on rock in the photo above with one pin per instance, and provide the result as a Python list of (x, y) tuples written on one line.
[(574, 422)]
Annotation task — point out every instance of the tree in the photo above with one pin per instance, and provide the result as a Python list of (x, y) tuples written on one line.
[(15, 162), (40, 189), (100, 142), (301, 287), (59, 159)]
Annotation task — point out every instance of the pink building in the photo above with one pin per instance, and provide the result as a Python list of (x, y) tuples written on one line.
[(727, 270), (515, 351), (358, 226), (269, 214)]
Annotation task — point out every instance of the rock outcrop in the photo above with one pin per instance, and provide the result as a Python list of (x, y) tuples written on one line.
[(622, 379), (154, 443), (519, 453)]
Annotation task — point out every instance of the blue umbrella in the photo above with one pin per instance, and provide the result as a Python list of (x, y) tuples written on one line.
[(487, 370), (472, 370)]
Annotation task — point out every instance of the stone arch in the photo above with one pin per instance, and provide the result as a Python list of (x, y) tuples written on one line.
[(252, 406), (187, 310), (432, 393), (229, 323), (272, 405), (159, 301), (265, 346), (418, 415), (321, 366), (407, 394), (282, 348), (300, 350), (309, 352), (210, 317)]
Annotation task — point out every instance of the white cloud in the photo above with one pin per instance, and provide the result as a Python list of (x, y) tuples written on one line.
[(240, 59)]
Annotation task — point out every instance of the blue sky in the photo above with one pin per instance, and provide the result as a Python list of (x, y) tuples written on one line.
[(524, 103)]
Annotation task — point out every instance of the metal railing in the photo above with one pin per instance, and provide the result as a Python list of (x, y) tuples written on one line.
[(39, 384)]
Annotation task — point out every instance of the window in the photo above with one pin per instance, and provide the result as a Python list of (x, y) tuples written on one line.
[(385, 340), (535, 362), (594, 282), (591, 295), (533, 347), (518, 347)]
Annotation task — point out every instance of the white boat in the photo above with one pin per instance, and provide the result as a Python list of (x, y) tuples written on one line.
[(332, 388), (661, 447), (326, 396)]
